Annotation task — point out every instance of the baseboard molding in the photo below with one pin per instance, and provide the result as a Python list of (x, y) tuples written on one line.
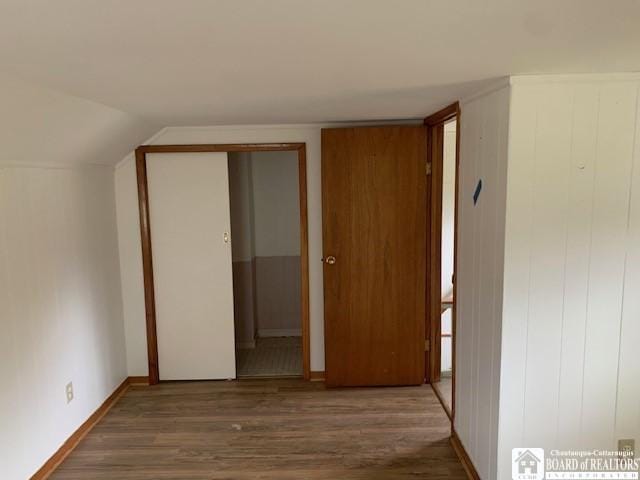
[(279, 332), (72, 442), (472, 473), (138, 380), (317, 376)]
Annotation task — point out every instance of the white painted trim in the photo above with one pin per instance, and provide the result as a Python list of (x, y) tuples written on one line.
[(279, 332)]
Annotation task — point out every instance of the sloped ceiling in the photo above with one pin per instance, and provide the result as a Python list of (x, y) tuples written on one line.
[(191, 62), (40, 126)]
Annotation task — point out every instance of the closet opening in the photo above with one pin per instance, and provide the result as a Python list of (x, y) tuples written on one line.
[(266, 252), (185, 198)]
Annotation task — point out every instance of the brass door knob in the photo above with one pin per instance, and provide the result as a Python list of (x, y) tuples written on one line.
[(331, 260)]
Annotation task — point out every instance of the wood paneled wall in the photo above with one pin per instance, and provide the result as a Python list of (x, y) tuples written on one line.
[(571, 320), (549, 267), (483, 157)]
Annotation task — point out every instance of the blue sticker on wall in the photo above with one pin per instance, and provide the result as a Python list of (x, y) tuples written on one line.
[(476, 194)]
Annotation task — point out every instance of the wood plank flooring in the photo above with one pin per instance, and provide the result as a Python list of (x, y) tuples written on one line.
[(445, 387), (267, 429)]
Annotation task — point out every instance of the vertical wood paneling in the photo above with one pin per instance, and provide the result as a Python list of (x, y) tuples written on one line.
[(547, 251), (616, 128), (575, 289), (487, 226), (476, 222), (517, 262), (628, 406), (570, 329), (500, 208), (484, 128), (464, 333)]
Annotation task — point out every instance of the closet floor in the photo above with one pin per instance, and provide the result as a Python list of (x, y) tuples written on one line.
[(273, 356)]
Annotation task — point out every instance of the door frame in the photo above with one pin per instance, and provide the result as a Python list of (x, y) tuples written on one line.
[(435, 143), (145, 236)]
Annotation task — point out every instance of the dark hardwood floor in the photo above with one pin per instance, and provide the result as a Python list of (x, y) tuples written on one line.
[(267, 429)]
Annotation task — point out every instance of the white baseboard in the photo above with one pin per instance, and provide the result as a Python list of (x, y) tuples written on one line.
[(279, 332), (249, 344)]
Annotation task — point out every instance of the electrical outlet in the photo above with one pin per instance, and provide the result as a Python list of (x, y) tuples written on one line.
[(628, 447), (69, 391)]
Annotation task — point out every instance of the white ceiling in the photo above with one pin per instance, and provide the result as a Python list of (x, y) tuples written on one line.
[(187, 62)]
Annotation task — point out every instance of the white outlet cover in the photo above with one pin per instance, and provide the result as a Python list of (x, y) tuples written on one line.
[(69, 391)]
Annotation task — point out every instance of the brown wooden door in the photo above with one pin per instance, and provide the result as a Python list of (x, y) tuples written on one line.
[(374, 226)]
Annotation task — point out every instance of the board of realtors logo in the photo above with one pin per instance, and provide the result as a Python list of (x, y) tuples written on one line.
[(527, 463)]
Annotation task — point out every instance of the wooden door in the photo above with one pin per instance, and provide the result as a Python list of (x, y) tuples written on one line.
[(374, 237), (190, 231)]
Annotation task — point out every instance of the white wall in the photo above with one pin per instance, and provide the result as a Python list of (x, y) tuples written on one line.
[(276, 203), (242, 211), (126, 192), (60, 304), (549, 268), (483, 155), (129, 232), (571, 318), (265, 204), (60, 308)]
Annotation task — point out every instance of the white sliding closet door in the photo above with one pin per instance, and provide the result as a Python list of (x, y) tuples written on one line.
[(191, 252)]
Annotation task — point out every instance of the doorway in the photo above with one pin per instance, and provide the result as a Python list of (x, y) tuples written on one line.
[(184, 204), (443, 136), (265, 230), (374, 233), (445, 386)]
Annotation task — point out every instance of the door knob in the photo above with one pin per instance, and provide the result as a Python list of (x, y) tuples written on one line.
[(331, 260)]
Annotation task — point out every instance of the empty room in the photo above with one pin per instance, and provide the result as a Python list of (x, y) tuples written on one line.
[(334, 240)]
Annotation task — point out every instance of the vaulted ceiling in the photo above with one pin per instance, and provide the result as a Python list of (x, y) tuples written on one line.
[(187, 62)]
